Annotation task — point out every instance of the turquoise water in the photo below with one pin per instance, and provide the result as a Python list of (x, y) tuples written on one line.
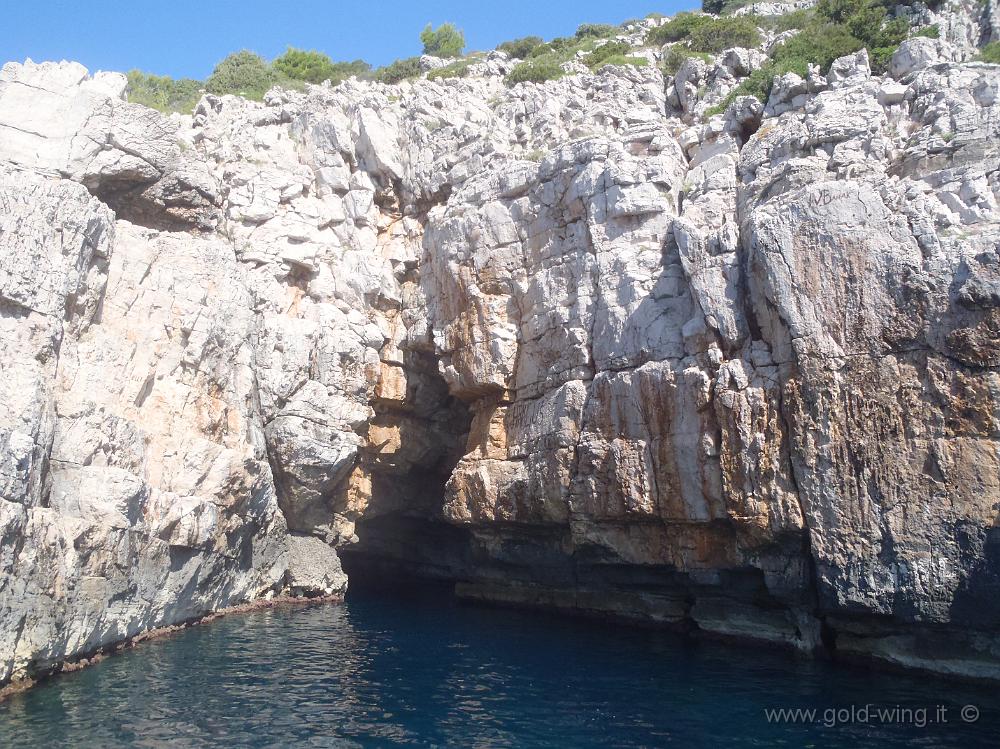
[(422, 671)]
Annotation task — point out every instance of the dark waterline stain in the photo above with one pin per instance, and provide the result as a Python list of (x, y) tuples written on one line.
[(422, 670)]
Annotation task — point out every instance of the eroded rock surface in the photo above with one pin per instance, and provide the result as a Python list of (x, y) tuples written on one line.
[(568, 344)]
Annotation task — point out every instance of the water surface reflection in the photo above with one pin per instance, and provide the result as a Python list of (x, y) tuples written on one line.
[(383, 670)]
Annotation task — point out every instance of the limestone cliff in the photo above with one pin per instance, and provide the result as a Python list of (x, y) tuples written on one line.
[(574, 344)]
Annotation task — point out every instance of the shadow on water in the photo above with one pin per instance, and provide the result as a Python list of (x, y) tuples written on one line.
[(412, 666)]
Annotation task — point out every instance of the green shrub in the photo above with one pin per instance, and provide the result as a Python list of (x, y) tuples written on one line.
[(244, 73), (316, 67), (544, 61), (444, 41), (677, 28), (722, 33), (523, 47), (990, 53), (819, 43), (880, 57), (344, 70), (889, 34), (557, 45), (457, 69), (623, 60), (931, 32), (866, 20), (605, 52), (840, 11), (302, 65), (359, 68), (797, 19), (163, 92), (676, 56), (758, 84), (536, 71), (706, 34), (793, 56), (722, 7), (595, 31), (399, 70), (834, 28), (868, 23)]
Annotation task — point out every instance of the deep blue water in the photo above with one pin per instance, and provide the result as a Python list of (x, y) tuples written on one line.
[(421, 671)]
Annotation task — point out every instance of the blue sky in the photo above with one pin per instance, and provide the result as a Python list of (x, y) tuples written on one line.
[(187, 37)]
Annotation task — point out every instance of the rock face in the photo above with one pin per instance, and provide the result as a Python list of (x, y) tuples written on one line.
[(136, 488), (567, 344)]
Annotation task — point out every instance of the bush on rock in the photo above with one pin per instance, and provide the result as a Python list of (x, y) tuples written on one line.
[(444, 41)]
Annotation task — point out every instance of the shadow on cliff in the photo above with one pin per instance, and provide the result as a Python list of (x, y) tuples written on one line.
[(402, 533), (976, 604)]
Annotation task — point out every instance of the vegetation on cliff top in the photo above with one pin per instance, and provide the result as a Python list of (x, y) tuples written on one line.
[(163, 92), (831, 29), (521, 48), (399, 70), (245, 73), (701, 33), (592, 45), (316, 67), (444, 41)]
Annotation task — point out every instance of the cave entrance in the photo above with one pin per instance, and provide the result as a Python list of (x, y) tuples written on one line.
[(414, 443)]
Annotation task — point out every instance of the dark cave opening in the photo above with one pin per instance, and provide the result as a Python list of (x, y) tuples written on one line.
[(403, 533), (398, 548), (169, 204)]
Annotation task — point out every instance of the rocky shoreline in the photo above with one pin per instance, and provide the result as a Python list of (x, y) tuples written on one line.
[(82, 660), (585, 343)]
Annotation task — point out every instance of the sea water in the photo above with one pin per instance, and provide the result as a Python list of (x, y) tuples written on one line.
[(386, 669)]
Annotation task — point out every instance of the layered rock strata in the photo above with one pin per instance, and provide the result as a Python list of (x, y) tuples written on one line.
[(570, 344)]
